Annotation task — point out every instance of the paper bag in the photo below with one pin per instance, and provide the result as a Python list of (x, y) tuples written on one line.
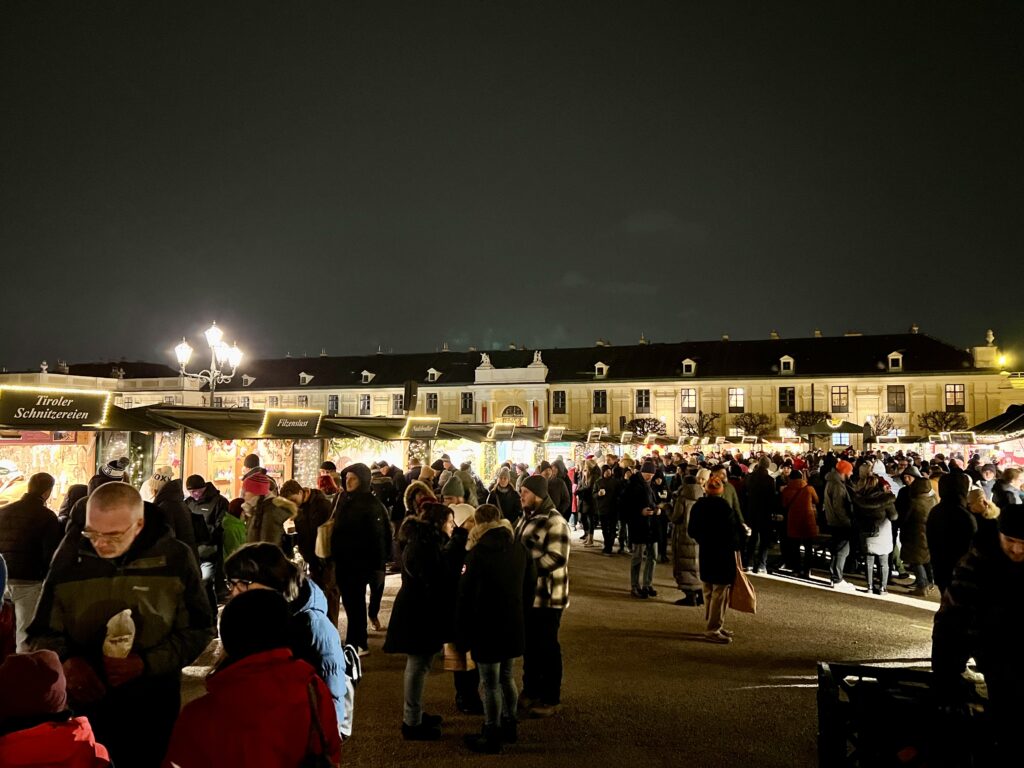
[(120, 635), (741, 596)]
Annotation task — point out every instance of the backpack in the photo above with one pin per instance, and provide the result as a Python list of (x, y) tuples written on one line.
[(353, 664)]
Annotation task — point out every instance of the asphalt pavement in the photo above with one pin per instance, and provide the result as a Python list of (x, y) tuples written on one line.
[(642, 686)]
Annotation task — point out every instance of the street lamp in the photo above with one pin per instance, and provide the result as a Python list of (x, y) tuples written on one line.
[(221, 356)]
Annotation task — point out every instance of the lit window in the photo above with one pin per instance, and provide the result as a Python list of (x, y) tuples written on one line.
[(737, 400), (840, 399), (273, 401), (432, 402), (787, 432), (332, 404), (956, 398), (840, 438), (735, 432), (243, 402), (558, 401), (896, 398), (364, 405), (600, 401), (643, 401), (398, 405), (467, 404), (688, 400), (787, 399), (302, 401)]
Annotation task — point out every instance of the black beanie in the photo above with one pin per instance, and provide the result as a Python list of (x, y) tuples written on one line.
[(256, 620), (194, 483), (1011, 521), (537, 485)]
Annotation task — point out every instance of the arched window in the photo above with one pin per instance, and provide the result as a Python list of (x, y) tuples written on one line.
[(513, 414)]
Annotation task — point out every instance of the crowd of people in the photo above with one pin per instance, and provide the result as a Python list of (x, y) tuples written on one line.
[(484, 580)]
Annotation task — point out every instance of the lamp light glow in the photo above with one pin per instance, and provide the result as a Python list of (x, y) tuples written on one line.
[(214, 335)]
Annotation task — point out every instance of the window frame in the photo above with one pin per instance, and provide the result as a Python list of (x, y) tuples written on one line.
[(644, 396), (842, 391), (367, 400), (302, 401), (891, 390), (959, 392), (790, 405), (559, 402), (398, 404), (686, 395), (604, 401), (273, 401), (430, 403), (736, 399), (333, 404), (464, 409)]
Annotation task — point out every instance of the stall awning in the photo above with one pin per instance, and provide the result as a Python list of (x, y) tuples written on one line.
[(476, 433), (1008, 422), (213, 423), (830, 428), (131, 420), (372, 428)]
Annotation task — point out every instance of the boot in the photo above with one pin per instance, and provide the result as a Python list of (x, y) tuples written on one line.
[(487, 742), (509, 730)]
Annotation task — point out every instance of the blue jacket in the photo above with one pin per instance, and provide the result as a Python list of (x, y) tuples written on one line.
[(315, 640)]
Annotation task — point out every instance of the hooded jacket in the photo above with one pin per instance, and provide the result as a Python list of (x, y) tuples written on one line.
[(914, 532), (268, 519), (171, 501), (801, 504), (418, 489), (685, 550), (256, 712), (361, 540), (950, 528), (874, 509), (636, 496), (1006, 495), (762, 499), (499, 580), (315, 640), (716, 527), (312, 513), (838, 505), (157, 578), (423, 616), (208, 521), (29, 535)]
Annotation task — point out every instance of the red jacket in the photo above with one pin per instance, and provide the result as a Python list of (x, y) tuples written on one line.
[(800, 502), (255, 714), (70, 744)]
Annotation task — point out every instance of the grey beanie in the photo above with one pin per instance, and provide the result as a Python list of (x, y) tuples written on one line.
[(453, 488)]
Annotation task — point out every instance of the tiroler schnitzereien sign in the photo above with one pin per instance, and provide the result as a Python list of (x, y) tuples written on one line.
[(51, 409)]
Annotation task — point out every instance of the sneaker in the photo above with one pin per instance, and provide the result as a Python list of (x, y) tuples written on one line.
[(638, 593), (717, 637), (421, 732), (651, 591), (844, 586), (544, 710), (377, 626), (364, 651), (727, 632), (689, 600)]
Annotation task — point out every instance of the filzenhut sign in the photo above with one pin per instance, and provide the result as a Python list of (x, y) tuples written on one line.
[(291, 423), (51, 409)]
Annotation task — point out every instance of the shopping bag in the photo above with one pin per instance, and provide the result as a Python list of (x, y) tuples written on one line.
[(323, 539), (741, 596), (455, 660)]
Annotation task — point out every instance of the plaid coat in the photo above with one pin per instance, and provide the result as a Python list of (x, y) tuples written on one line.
[(545, 534)]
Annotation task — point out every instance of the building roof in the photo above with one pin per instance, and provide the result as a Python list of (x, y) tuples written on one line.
[(825, 356), (133, 369)]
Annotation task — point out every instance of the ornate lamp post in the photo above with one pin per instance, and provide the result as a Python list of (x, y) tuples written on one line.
[(221, 356)]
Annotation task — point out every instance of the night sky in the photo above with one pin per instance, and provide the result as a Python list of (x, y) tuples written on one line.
[(341, 175)]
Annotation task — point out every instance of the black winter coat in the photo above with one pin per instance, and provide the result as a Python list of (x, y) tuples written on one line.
[(762, 500), (508, 502), (171, 501), (500, 578), (717, 529), (606, 503), (637, 495), (950, 528), (313, 512), (423, 616), (361, 541), (29, 535), (208, 522)]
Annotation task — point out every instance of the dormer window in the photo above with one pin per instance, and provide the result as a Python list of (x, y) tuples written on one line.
[(786, 365), (600, 370), (247, 380), (689, 367), (304, 379), (433, 375), (895, 362), (367, 377)]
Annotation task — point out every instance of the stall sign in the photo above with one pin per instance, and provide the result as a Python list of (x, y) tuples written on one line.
[(27, 437), (420, 428), (291, 422), (30, 407), (554, 434)]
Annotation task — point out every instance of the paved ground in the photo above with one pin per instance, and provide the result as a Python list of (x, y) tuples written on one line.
[(642, 687)]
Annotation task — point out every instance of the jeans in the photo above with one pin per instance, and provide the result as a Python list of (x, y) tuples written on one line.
[(376, 592), (500, 694), (840, 551), (716, 600), (923, 573), (542, 662), (883, 569), (353, 597), (415, 678), (25, 595), (646, 554), (761, 540)]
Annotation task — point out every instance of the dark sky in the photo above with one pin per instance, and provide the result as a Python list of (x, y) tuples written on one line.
[(340, 175)]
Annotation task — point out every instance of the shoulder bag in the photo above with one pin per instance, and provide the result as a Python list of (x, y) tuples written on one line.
[(325, 531), (313, 759)]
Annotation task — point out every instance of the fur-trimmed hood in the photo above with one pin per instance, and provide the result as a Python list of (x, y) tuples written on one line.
[(480, 529), (283, 503), (416, 486)]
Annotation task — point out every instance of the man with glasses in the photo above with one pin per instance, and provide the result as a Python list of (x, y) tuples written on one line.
[(124, 558)]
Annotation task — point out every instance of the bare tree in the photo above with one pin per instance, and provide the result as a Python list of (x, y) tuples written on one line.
[(703, 425), (756, 424), (934, 422), (882, 424), (646, 425), (805, 419)]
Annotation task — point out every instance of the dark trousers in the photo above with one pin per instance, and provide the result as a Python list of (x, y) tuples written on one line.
[(608, 531), (542, 661), (353, 597), (376, 592), (467, 687), (840, 546), (322, 573), (761, 540)]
